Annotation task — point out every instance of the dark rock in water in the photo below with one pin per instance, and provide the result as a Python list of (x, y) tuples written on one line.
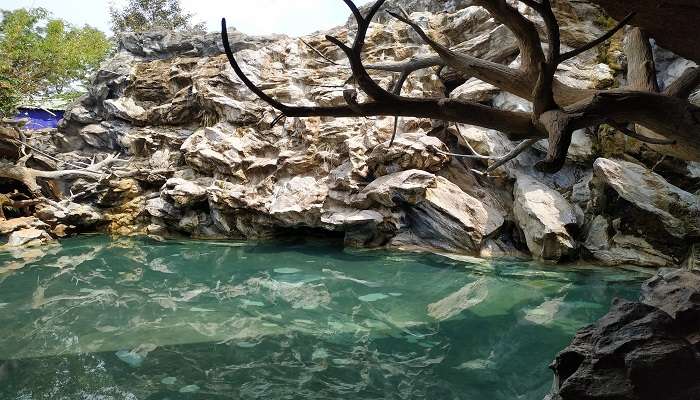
[(639, 350), (677, 292)]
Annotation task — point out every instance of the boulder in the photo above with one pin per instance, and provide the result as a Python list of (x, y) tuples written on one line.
[(97, 136), (298, 201), (677, 292), (621, 249), (227, 195), (487, 142), (475, 90), (189, 222), (581, 191), (361, 227), (213, 150), (160, 208), (184, 193), (126, 109), (546, 218), (70, 213), (15, 224), (660, 204), (342, 218), (407, 187), (450, 219)]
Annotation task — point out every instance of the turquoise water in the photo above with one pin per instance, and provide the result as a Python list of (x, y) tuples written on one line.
[(95, 318)]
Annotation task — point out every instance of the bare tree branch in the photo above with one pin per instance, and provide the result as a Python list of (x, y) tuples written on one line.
[(519, 149), (496, 74), (28, 176), (641, 70), (525, 31), (411, 64), (516, 125), (543, 93), (559, 109)]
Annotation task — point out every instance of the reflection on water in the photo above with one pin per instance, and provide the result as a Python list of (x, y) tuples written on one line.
[(95, 318)]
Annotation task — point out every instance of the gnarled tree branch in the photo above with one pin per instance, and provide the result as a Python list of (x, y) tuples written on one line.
[(516, 125), (29, 176), (559, 110)]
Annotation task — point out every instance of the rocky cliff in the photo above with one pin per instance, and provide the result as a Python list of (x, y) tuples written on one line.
[(207, 159)]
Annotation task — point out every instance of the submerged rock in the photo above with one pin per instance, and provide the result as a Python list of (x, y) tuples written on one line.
[(28, 237), (470, 295), (15, 224), (189, 389), (133, 359)]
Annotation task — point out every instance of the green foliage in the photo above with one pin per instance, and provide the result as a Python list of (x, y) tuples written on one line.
[(9, 95), (43, 56), (605, 22), (151, 15)]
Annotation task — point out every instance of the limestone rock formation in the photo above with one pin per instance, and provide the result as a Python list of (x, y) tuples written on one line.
[(547, 219), (208, 159), (622, 249), (408, 187), (450, 219), (412, 151), (660, 203)]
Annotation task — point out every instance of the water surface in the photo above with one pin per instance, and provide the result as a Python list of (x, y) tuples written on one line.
[(100, 318)]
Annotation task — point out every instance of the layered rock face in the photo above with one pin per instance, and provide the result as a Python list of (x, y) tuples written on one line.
[(208, 159)]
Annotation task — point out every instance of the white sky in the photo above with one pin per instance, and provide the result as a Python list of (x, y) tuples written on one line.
[(293, 17)]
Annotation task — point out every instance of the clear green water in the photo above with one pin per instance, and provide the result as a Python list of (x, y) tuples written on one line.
[(95, 318)]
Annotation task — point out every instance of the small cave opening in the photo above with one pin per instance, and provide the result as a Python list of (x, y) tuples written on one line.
[(307, 235)]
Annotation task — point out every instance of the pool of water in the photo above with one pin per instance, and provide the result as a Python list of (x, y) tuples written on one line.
[(100, 318)]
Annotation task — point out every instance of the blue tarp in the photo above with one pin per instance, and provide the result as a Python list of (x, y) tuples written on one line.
[(40, 119)]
